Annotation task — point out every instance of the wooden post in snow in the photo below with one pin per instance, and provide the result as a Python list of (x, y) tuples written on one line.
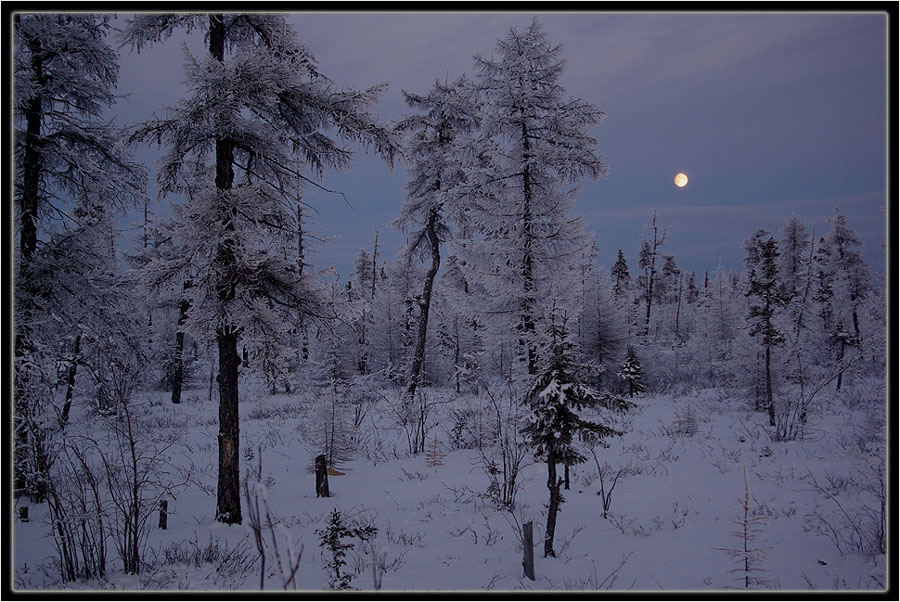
[(163, 514), (321, 477), (528, 550)]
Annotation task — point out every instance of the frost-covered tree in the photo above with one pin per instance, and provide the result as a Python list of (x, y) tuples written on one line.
[(793, 264), (621, 279), (717, 314), (841, 283), (433, 198), (647, 262), (393, 332), (65, 155), (330, 433), (631, 372), (533, 142), (600, 319), (852, 274), (258, 113), (766, 294), (557, 401)]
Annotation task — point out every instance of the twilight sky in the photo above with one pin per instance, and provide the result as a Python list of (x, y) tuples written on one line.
[(768, 114)]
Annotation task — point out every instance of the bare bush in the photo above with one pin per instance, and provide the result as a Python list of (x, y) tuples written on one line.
[(505, 454), (856, 520), (271, 537), (106, 486), (609, 476)]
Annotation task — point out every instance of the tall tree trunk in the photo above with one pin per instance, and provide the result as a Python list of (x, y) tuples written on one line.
[(178, 360), (228, 500), (840, 376), (553, 484), (770, 402), (528, 325), (28, 216), (425, 304)]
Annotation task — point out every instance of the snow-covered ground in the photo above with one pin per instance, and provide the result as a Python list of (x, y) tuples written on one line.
[(439, 530)]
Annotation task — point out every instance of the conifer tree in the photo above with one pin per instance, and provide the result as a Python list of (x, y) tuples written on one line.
[(532, 142), (257, 113), (65, 154), (433, 195), (632, 373), (621, 278), (556, 401), (766, 295)]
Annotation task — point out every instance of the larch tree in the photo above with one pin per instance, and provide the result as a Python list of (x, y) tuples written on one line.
[(434, 195), (261, 116), (533, 141), (65, 154), (850, 283), (648, 255)]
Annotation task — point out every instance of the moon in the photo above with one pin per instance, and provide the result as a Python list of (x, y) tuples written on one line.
[(681, 180)]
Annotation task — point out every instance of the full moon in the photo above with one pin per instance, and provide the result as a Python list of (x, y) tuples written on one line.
[(681, 180)]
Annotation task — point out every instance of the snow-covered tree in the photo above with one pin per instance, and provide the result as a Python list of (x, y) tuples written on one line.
[(621, 279), (259, 114), (533, 142), (794, 262), (600, 319), (66, 155), (433, 194), (647, 262), (766, 294), (845, 283), (631, 372), (557, 400)]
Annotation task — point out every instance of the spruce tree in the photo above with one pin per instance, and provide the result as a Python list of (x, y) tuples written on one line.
[(620, 276), (766, 295), (556, 400), (631, 372)]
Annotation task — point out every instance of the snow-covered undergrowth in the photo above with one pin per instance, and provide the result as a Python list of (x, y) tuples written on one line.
[(673, 486)]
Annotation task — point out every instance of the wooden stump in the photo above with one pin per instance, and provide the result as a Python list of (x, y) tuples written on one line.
[(528, 550), (321, 477), (23, 514)]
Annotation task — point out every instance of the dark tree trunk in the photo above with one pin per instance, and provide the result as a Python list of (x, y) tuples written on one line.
[(425, 304), (178, 360), (566, 478), (28, 215), (553, 484), (228, 499), (770, 402), (31, 160), (70, 381), (528, 325), (650, 275), (840, 376)]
